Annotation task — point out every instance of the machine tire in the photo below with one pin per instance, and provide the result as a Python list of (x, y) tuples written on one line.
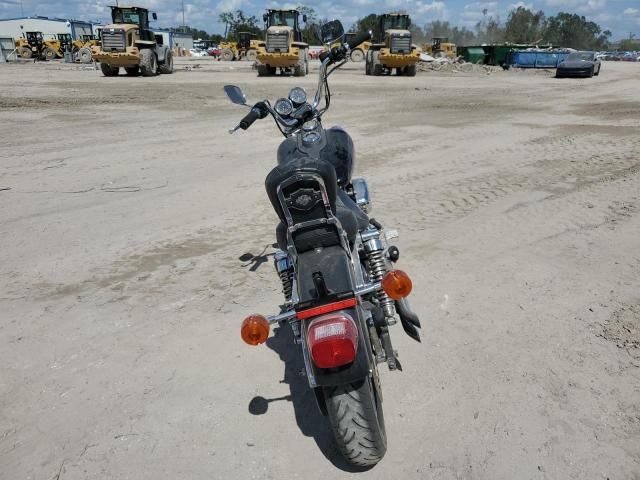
[(84, 55), (48, 53), (356, 55), (148, 63), (367, 64), (300, 69), (263, 71), (167, 65), (357, 422), (132, 71), (227, 55), (108, 70), (25, 52), (376, 66), (251, 55), (410, 71)]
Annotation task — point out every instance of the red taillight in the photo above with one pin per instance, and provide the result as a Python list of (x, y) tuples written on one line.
[(332, 340)]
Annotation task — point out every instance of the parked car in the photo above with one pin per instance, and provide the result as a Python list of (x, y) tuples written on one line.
[(214, 52), (197, 53), (579, 64)]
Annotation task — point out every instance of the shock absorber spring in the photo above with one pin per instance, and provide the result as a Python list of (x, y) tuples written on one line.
[(377, 270), (285, 272)]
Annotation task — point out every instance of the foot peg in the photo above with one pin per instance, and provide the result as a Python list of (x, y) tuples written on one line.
[(410, 321)]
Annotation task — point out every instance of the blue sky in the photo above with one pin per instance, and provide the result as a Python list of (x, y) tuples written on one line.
[(619, 16)]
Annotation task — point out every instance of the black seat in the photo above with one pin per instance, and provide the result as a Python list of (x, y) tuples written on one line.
[(351, 217)]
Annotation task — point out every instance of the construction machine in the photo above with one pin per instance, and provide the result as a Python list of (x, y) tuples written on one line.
[(66, 44), (441, 47), (244, 48), (358, 52), (81, 48), (392, 47), (129, 42), (283, 47), (34, 45)]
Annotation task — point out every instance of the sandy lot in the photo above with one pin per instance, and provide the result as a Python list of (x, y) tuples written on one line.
[(126, 207)]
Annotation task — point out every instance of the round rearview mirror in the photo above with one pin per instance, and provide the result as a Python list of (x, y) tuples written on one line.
[(331, 31), (235, 94)]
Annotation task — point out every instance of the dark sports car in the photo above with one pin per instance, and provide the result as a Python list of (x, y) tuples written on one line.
[(579, 64)]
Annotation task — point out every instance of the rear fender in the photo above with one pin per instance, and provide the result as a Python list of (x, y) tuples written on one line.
[(336, 270)]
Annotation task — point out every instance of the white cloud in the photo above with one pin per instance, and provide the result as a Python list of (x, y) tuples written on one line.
[(590, 6), (515, 6), (477, 11), (632, 12)]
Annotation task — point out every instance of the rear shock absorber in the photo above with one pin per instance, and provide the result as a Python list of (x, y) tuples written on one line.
[(377, 270), (285, 272)]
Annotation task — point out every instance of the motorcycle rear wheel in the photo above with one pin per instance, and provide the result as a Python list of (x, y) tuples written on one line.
[(357, 422)]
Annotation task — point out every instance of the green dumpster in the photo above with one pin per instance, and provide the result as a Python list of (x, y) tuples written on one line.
[(474, 55)]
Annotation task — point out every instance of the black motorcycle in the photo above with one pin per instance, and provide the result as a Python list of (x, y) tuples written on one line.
[(341, 291)]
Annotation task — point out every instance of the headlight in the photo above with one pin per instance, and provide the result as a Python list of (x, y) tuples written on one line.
[(298, 96), (310, 125), (311, 131), (284, 107)]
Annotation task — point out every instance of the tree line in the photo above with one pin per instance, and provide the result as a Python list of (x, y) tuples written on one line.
[(521, 26)]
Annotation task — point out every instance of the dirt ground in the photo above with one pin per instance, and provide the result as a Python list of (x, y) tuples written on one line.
[(125, 209)]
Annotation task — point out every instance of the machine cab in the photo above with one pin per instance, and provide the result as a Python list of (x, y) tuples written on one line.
[(285, 18)]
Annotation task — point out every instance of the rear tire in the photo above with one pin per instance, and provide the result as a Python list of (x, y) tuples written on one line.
[(251, 55), (108, 70), (132, 71), (376, 66), (148, 63), (84, 55), (357, 55), (167, 66), (410, 71), (357, 422), (300, 70), (227, 55), (48, 53), (25, 52)]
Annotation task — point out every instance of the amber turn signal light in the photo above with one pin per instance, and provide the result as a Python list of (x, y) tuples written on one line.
[(255, 329), (396, 284)]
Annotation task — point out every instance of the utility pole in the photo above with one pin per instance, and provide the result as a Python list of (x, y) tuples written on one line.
[(183, 24)]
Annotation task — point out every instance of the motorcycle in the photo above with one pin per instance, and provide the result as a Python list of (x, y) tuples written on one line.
[(341, 292)]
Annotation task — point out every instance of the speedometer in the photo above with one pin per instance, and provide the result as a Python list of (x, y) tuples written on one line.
[(297, 95), (284, 107)]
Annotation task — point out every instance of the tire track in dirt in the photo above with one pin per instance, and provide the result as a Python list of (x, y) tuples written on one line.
[(558, 166)]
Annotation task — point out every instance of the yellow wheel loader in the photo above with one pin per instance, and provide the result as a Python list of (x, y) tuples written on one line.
[(34, 45), (358, 53), (129, 42), (283, 48), (81, 48), (243, 49), (441, 47), (392, 48)]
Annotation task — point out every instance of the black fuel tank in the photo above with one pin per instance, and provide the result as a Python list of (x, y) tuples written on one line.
[(338, 151)]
